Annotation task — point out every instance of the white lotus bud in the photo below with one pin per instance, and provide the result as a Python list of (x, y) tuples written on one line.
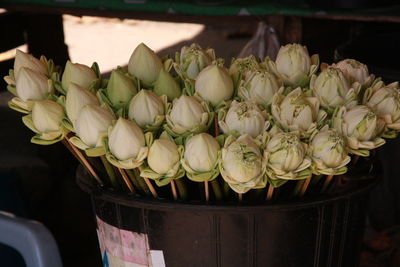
[(214, 85), (26, 60), (331, 88), (297, 113), (242, 161), (167, 85), (76, 99), (328, 150), (77, 73), (361, 123), (194, 59), (244, 118), (187, 112), (293, 63), (244, 66), (354, 71), (120, 89), (125, 139), (286, 155), (163, 156), (92, 124), (47, 115), (144, 64), (145, 106), (201, 152), (32, 85), (260, 87), (385, 102)]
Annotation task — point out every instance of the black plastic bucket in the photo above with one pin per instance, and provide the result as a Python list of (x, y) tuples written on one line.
[(319, 232)]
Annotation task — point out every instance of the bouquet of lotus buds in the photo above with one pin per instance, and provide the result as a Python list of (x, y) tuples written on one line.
[(189, 128)]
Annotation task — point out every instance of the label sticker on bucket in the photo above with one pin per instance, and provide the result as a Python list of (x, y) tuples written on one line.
[(122, 248)]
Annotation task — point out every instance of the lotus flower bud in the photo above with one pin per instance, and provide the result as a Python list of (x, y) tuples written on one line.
[(297, 113), (32, 85), (293, 63), (241, 68), (145, 107), (194, 59), (187, 112), (332, 89), (125, 139), (77, 73), (47, 115), (120, 89), (201, 153), (144, 64), (361, 128), (354, 71), (385, 102), (286, 156), (242, 165), (328, 152), (244, 118), (167, 85), (92, 124), (28, 61), (163, 156), (76, 99), (260, 87), (214, 85)]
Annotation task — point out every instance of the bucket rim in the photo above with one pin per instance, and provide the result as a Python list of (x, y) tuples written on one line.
[(131, 200)]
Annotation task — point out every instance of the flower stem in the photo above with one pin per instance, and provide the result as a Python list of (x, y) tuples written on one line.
[(206, 191), (110, 172), (327, 182), (180, 184), (173, 189), (217, 189), (226, 189), (127, 180), (270, 192), (138, 181), (305, 185)]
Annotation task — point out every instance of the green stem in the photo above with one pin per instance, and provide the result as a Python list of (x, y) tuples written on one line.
[(298, 187), (226, 189), (110, 172), (180, 184), (134, 181), (217, 189), (139, 180)]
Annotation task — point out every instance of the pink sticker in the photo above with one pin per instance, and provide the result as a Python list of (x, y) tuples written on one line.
[(135, 247)]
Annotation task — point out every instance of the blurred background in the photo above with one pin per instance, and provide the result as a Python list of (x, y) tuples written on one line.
[(38, 182)]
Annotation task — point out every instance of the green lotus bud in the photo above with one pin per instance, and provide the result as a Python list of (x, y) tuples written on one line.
[(32, 85), (332, 89), (242, 165), (214, 85), (120, 89), (144, 64), (201, 153), (193, 59), (328, 152), (260, 87), (167, 85), (361, 128), (145, 107), (244, 118), (294, 64), (286, 157), (163, 156), (28, 61), (355, 71), (79, 74), (385, 102), (297, 113), (92, 124), (47, 115), (126, 139), (76, 99)]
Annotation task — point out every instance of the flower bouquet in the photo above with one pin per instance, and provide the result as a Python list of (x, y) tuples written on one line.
[(180, 149), (192, 124)]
